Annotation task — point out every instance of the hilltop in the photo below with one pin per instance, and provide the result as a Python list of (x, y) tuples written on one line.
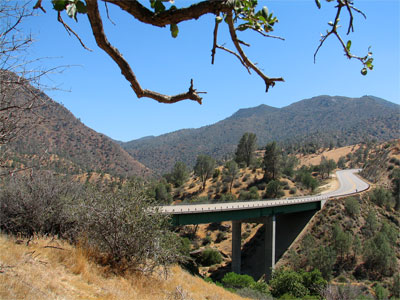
[(321, 121)]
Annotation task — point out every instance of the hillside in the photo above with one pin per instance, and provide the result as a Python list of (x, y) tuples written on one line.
[(322, 119), (65, 144), (53, 269)]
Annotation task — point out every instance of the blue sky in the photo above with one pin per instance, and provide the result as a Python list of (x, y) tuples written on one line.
[(96, 92)]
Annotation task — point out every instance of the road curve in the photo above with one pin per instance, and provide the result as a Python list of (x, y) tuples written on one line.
[(349, 183)]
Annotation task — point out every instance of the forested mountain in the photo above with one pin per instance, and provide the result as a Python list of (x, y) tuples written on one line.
[(322, 119), (67, 145)]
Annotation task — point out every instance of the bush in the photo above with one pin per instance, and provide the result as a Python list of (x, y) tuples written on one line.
[(120, 225), (40, 203), (274, 190), (237, 281), (207, 240), (228, 197), (380, 292), (381, 196), (292, 191), (352, 206), (287, 281), (210, 257), (221, 236), (253, 294)]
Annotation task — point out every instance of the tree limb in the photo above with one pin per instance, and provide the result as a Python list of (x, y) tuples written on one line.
[(102, 41), (269, 82), (215, 34), (176, 16)]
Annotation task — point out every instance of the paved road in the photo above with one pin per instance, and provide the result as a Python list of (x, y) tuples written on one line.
[(350, 183)]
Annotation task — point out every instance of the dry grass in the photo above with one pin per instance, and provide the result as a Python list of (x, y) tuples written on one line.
[(335, 154), (53, 269)]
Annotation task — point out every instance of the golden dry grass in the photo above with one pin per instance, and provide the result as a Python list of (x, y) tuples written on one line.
[(53, 269), (335, 154)]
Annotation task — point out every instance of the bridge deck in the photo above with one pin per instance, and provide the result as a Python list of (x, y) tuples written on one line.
[(218, 212)]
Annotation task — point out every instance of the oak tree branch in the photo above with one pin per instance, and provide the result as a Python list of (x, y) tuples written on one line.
[(102, 41)]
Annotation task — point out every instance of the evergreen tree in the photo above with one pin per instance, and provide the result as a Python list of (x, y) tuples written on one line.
[(245, 150), (179, 174), (271, 162)]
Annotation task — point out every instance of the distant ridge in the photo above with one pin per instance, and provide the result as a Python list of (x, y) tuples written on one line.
[(324, 118)]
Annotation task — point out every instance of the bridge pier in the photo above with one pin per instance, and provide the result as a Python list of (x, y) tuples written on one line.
[(236, 246), (269, 245)]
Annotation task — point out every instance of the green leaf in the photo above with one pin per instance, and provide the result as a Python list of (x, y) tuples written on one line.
[(59, 5), (174, 30), (348, 45), (71, 10), (364, 71), (265, 12), (218, 19), (81, 7), (318, 4), (159, 6), (369, 63)]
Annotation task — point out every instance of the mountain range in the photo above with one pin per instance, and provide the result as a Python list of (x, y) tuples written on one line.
[(72, 147), (339, 119)]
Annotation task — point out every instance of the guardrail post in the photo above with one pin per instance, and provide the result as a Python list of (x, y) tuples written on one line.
[(236, 246)]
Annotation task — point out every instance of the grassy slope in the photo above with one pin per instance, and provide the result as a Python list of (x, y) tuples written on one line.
[(53, 269)]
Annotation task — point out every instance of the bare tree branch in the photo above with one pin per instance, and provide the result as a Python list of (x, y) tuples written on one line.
[(69, 30), (215, 35), (237, 56), (269, 82), (102, 41)]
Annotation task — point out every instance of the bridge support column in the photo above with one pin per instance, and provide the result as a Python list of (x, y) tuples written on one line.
[(270, 244), (236, 246)]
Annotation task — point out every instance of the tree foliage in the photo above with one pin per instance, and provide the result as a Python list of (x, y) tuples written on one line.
[(179, 174), (271, 162), (204, 168), (245, 150), (230, 173)]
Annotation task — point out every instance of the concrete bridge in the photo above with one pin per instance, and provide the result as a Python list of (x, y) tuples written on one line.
[(283, 218)]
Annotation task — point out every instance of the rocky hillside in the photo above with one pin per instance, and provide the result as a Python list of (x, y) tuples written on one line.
[(322, 119)]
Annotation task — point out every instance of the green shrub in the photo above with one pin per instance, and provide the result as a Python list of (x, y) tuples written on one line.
[(380, 292), (210, 257), (221, 236), (207, 240), (274, 190), (237, 281), (228, 197), (352, 206), (381, 196), (285, 281)]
